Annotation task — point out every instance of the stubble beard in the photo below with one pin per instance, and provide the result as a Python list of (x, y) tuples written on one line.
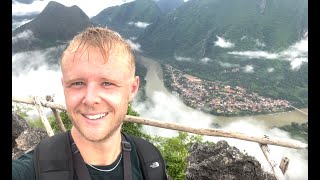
[(108, 133)]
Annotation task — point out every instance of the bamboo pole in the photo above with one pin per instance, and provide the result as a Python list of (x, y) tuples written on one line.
[(56, 115), (44, 103), (43, 117), (276, 170), (290, 143), (218, 132)]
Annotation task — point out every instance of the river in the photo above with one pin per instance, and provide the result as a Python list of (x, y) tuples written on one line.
[(155, 83)]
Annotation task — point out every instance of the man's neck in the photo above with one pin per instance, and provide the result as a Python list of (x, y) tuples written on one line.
[(98, 153)]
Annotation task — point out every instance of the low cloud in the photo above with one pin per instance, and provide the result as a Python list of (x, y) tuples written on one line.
[(168, 107), (16, 24), (297, 54), (270, 69), (259, 43), (228, 65), (34, 7), (23, 1), (25, 35), (134, 46), (180, 58), (32, 75), (91, 8), (223, 43), (255, 54), (139, 24), (205, 60), (243, 37), (296, 63), (248, 69)]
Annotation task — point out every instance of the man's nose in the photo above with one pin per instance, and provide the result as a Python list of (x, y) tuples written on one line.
[(92, 95)]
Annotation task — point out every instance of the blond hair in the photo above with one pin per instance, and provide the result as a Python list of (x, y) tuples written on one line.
[(103, 38)]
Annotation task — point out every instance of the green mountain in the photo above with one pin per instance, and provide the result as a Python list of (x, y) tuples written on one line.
[(123, 18), (55, 25), (193, 27), (167, 6), (187, 39)]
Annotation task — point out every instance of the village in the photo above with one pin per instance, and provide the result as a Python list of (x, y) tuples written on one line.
[(219, 99)]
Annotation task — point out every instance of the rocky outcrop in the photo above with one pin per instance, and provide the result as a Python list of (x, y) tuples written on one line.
[(24, 138), (18, 126), (223, 162)]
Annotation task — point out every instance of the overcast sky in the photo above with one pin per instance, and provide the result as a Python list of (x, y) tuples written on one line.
[(91, 8)]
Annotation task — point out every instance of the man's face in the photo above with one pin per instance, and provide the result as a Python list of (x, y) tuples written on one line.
[(97, 92)]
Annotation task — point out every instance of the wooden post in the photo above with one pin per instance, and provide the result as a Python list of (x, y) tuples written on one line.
[(284, 164), (56, 115), (43, 117), (276, 170)]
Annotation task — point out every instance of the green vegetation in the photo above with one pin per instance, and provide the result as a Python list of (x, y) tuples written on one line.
[(192, 29), (175, 152), (297, 131), (134, 128)]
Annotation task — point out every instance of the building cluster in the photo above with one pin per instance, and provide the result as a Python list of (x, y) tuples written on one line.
[(216, 98)]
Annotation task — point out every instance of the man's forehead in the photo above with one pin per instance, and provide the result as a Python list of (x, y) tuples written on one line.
[(85, 52), (93, 55)]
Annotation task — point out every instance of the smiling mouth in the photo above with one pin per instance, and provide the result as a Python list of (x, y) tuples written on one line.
[(94, 117)]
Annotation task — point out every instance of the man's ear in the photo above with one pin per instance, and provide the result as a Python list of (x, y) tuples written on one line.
[(134, 88)]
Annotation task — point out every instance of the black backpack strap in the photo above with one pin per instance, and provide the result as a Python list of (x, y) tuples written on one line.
[(80, 167), (52, 158), (153, 164), (126, 149)]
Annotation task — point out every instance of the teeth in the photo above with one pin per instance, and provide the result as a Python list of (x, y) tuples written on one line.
[(97, 116)]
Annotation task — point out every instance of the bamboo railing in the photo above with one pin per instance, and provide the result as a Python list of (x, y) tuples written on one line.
[(263, 141)]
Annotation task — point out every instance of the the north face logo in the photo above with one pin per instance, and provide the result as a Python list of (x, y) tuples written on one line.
[(154, 165)]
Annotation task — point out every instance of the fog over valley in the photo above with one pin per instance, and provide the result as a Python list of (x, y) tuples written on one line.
[(38, 73), (32, 76)]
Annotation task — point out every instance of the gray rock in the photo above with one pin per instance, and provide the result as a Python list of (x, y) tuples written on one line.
[(222, 162), (24, 138), (18, 126), (27, 140)]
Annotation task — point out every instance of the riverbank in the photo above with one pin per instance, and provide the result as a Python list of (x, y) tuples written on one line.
[(155, 85), (217, 98)]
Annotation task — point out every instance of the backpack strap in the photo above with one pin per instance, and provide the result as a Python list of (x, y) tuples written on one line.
[(153, 164), (80, 167), (52, 158), (126, 150)]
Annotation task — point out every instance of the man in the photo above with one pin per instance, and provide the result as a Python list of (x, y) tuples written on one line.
[(98, 78)]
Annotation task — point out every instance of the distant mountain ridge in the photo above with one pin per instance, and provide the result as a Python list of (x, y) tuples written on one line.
[(54, 25), (167, 6), (191, 29), (123, 18)]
